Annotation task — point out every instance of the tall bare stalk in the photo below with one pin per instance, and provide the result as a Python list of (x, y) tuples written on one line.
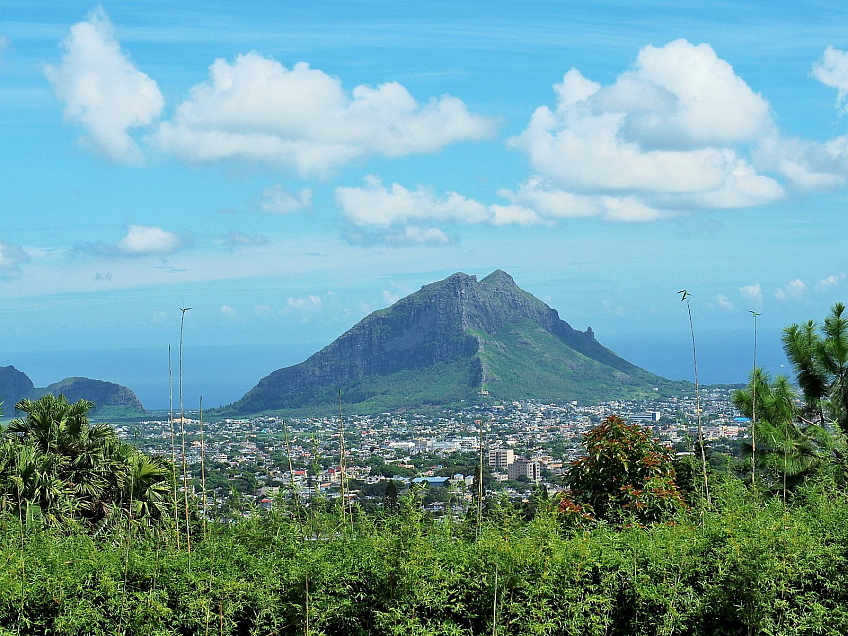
[(480, 482), (182, 432), (203, 469), (685, 298), (23, 562), (754, 409), (495, 605), (294, 492), (342, 459), (173, 444)]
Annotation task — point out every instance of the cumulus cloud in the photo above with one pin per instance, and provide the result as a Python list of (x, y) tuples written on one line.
[(377, 205), (830, 282), (395, 236), (832, 70), (277, 200), (304, 307), (551, 203), (228, 312), (299, 303), (793, 290), (11, 257), (721, 302), (255, 108), (141, 240), (390, 297), (239, 239), (672, 129), (752, 293), (102, 90), (395, 214), (805, 163)]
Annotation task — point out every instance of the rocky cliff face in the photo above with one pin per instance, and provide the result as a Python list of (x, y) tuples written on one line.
[(16, 385), (444, 323)]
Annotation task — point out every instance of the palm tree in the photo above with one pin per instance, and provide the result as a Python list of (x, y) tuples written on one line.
[(56, 467), (52, 423)]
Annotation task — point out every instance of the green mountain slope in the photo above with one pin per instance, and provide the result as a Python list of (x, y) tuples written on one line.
[(447, 342), (524, 361), (108, 397)]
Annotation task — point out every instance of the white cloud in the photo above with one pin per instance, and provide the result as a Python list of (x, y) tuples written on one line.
[(310, 302), (513, 215), (832, 70), (390, 297), (11, 257), (376, 205), (228, 312), (674, 126), (793, 290), (102, 90), (753, 293), (277, 200), (830, 282), (142, 240), (255, 108), (808, 164), (262, 310), (379, 214), (239, 239), (415, 235), (614, 309), (551, 203), (722, 302)]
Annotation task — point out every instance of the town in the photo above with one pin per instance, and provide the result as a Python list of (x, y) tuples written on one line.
[(526, 445)]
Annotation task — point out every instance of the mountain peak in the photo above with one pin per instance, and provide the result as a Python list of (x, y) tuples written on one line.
[(499, 278), (444, 344)]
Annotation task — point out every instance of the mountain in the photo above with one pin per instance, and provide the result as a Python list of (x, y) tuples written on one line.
[(15, 385), (448, 342)]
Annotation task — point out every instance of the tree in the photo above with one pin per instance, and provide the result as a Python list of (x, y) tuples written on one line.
[(786, 452), (624, 471), (390, 498), (820, 358), (57, 467)]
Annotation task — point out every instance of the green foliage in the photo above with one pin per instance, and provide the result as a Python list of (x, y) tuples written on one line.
[(57, 468), (787, 452), (820, 358), (741, 567), (624, 473)]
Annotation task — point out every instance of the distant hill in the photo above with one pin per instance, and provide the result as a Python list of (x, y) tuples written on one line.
[(448, 342), (15, 385)]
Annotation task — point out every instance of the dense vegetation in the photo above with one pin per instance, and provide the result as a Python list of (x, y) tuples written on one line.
[(633, 549)]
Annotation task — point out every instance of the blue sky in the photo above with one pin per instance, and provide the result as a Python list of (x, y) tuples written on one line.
[(285, 169)]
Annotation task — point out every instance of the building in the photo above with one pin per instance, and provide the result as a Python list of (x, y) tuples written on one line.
[(529, 468), (650, 416), (501, 457)]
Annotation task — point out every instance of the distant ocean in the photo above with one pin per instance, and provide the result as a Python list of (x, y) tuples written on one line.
[(223, 373)]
